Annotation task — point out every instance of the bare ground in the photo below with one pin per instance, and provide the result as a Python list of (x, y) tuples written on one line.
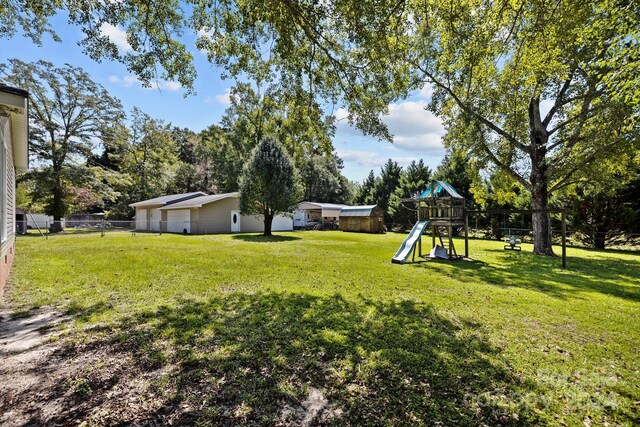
[(46, 382), (49, 378)]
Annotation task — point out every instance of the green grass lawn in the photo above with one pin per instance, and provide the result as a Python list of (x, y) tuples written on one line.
[(244, 328)]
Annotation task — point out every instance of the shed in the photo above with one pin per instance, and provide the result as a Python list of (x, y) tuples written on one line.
[(366, 219), (216, 213), (309, 212)]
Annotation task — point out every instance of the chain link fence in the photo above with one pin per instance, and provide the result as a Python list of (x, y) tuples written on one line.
[(107, 227)]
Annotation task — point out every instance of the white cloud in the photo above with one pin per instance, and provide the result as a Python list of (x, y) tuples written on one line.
[(414, 128), (341, 115), (116, 35), (361, 158), (224, 98), (203, 32), (128, 81), (427, 91), (370, 159), (545, 107), (166, 85)]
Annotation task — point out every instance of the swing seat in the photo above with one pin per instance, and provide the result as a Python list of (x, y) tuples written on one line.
[(513, 243)]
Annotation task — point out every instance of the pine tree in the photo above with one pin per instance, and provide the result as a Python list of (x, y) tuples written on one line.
[(365, 192), (385, 186), (412, 181)]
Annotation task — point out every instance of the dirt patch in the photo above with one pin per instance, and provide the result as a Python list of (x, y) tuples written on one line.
[(46, 380), (27, 342)]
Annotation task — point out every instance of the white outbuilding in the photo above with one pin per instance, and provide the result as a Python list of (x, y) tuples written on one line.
[(311, 213), (212, 214), (148, 214)]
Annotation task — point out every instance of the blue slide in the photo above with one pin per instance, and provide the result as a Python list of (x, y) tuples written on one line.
[(407, 246)]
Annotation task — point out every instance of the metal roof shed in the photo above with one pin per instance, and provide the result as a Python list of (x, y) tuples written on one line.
[(367, 219)]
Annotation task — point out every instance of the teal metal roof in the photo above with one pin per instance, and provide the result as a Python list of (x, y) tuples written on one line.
[(436, 188)]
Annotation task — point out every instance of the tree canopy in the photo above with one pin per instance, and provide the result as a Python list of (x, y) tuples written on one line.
[(69, 112), (545, 92)]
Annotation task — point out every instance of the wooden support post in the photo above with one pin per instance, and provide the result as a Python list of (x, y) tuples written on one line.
[(564, 240), (451, 250), (413, 258), (433, 237), (466, 235)]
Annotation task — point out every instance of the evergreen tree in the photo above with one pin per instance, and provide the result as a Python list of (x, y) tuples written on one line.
[(269, 183), (455, 170), (364, 196), (385, 186), (414, 179)]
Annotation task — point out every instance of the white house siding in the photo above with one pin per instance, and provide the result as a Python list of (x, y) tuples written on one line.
[(255, 224), (11, 192), (7, 197), (282, 223), (8, 190)]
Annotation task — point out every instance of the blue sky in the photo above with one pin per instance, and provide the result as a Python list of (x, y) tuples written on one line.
[(417, 133)]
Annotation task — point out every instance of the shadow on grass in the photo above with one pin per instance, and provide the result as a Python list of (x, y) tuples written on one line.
[(257, 359), (259, 238), (601, 274)]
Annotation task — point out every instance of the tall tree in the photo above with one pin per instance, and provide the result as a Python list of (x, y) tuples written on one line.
[(385, 185), (147, 154), (456, 170), (365, 192), (537, 88), (495, 66), (68, 113), (269, 183), (413, 180), (323, 182), (606, 210)]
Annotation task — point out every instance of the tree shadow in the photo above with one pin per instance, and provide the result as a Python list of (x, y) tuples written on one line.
[(257, 359), (259, 238), (603, 274)]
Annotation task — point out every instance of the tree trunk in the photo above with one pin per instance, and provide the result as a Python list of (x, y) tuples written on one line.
[(599, 238), (541, 223), (539, 181), (268, 220), (57, 206)]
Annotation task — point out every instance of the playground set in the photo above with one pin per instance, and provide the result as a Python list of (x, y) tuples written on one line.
[(441, 208)]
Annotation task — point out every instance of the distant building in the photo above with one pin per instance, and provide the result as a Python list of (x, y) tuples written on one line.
[(365, 219), (199, 213), (312, 213)]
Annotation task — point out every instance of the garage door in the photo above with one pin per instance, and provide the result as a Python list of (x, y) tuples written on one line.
[(179, 220), (141, 219)]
